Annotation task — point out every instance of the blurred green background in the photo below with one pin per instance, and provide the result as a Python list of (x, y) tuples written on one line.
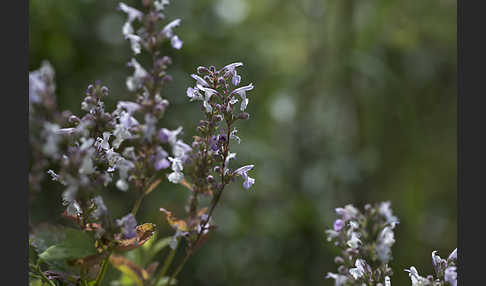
[(355, 102)]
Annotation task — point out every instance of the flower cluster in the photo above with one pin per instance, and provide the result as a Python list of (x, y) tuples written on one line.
[(365, 239), (127, 148), (44, 120), (445, 272), (208, 162)]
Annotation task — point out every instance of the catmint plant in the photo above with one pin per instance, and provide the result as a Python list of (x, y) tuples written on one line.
[(127, 148), (365, 239), (445, 272)]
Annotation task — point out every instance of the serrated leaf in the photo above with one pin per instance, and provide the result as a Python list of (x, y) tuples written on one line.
[(77, 244)]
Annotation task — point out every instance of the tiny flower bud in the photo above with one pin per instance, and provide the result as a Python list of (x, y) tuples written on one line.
[(339, 260), (201, 70), (167, 78), (342, 269), (90, 90), (210, 179), (73, 119), (104, 90), (243, 116)]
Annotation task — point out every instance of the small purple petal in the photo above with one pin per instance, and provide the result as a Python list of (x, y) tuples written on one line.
[(338, 225)]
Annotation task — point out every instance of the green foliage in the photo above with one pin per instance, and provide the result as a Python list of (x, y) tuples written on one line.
[(77, 244)]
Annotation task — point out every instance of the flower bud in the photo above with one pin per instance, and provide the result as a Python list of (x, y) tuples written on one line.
[(201, 70), (210, 179), (73, 119), (90, 90), (104, 90), (243, 115)]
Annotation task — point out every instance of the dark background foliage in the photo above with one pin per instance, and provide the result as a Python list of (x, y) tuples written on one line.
[(355, 102)]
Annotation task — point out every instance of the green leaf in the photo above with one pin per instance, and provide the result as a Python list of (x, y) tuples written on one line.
[(76, 245), (158, 246), (45, 236), (37, 282), (164, 280)]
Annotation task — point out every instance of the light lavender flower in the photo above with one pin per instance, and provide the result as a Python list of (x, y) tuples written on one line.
[(243, 172), (241, 91), (128, 225)]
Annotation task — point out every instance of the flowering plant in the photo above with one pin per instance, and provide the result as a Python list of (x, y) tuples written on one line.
[(365, 240), (127, 147)]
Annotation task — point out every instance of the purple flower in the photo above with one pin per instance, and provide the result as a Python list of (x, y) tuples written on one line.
[(128, 225), (243, 172), (169, 136), (161, 161), (450, 275), (194, 94), (338, 225)]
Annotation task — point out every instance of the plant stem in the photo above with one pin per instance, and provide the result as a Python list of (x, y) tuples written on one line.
[(179, 268), (45, 278), (167, 263), (137, 204), (101, 274)]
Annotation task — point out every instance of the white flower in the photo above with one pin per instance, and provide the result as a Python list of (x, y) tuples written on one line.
[(348, 212), (234, 137), (416, 279), (354, 242), (241, 91), (167, 31), (453, 255), (387, 281), (134, 43), (200, 80), (159, 4), (340, 280), (385, 210), (243, 172), (359, 270), (176, 42), (231, 68), (131, 12), (134, 82), (175, 177), (385, 241), (208, 92)]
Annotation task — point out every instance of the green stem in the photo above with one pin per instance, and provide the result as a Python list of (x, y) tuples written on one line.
[(44, 277), (101, 274), (167, 263), (179, 268), (137, 204)]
